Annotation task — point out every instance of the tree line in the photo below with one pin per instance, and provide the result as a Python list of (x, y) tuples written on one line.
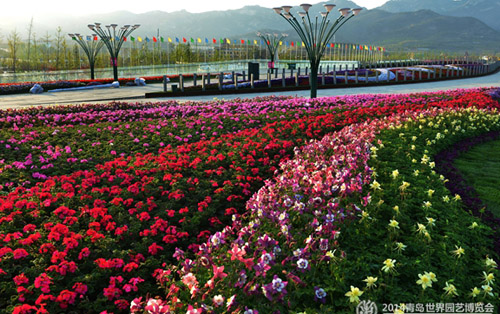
[(57, 51)]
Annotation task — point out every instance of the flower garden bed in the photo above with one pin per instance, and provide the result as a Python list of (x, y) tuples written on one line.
[(24, 87), (271, 204)]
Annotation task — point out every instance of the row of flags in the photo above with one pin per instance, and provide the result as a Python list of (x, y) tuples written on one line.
[(235, 42)]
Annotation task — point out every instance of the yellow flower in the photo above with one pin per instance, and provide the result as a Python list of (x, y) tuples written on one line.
[(458, 252), (475, 292), (421, 228), (415, 173), (446, 198), (424, 281), (474, 225), (370, 282), (457, 197), (450, 289), (430, 192), (389, 265), (488, 278), (394, 224), (487, 290), (427, 204), (375, 185), (431, 221), (404, 186), (400, 247), (396, 209), (490, 263), (354, 294), (431, 275), (432, 164), (365, 215), (395, 174)]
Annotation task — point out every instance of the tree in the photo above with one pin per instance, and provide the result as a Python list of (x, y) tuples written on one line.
[(30, 32), (182, 53), (59, 45), (47, 40), (35, 51), (13, 42)]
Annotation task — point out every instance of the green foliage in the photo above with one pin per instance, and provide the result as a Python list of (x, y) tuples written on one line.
[(481, 168)]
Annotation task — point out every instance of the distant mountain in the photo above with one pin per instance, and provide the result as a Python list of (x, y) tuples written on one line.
[(485, 10), (423, 29), (180, 23)]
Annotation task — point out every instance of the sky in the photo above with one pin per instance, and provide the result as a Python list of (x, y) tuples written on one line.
[(35, 8)]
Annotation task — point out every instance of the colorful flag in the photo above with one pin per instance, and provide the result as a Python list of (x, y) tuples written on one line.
[(228, 41), (192, 40), (139, 39), (303, 45), (124, 38), (242, 41), (95, 38), (249, 42), (176, 39), (161, 39), (206, 40), (214, 40), (255, 42), (222, 41), (147, 39), (281, 43), (184, 39), (199, 39), (154, 39), (131, 38), (88, 38), (169, 39), (291, 43)]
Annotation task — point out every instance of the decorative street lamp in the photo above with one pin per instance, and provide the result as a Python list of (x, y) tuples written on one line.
[(316, 36), (90, 47), (272, 42), (113, 39)]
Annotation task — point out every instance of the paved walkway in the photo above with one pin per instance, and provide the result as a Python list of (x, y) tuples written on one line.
[(136, 93)]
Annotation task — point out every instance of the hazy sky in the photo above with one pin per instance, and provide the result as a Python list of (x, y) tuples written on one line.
[(28, 8)]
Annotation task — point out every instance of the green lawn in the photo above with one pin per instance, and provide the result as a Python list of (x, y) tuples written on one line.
[(481, 169)]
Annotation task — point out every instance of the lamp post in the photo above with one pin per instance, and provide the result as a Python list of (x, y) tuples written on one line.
[(90, 47), (272, 42), (315, 35), (113, 39)]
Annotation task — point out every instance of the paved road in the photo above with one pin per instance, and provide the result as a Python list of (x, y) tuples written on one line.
[(136, 93)]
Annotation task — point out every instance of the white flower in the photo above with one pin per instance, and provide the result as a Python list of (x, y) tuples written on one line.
[(218, 300)]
